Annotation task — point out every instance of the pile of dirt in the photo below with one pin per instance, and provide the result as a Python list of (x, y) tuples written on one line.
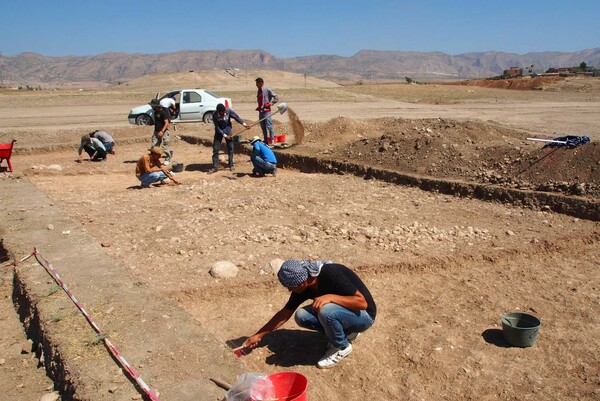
[(463, 150), (524, 83)]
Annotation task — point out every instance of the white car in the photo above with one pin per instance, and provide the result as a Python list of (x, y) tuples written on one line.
[(193, 105)]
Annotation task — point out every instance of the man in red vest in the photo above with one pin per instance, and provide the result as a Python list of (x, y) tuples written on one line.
[(265, 98)]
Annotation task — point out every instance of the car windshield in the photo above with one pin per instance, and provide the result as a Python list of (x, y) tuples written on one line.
[(212, 94), (170, 94)]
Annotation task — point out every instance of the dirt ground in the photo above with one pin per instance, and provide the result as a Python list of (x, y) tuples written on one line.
[(442, 269)]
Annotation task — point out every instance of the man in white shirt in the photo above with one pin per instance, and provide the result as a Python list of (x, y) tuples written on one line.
[(169, 104)]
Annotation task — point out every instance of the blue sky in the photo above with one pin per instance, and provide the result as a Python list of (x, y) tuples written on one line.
[(298, 28)]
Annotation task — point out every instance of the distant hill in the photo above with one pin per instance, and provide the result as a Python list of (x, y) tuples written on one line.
[(222, 80), (366, 66)]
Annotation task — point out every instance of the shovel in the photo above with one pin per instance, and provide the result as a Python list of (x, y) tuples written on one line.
[(547, 140), (282, 108)]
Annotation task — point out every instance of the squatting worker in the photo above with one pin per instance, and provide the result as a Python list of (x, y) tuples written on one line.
[(161, 135), (263, 159), (106, 139), (93, 147), (149, 169), (342, 305), (265, 98), (222, 121)]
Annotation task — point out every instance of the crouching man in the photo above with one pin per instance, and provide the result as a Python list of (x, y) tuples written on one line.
[(263, 159), (106, 139), (149, 169), (342, 306), (93, 147)]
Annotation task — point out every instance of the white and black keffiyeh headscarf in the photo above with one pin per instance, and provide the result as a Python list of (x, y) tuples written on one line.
[(294, 272)]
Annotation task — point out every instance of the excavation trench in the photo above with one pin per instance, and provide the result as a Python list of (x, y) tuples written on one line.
[(569, 205)]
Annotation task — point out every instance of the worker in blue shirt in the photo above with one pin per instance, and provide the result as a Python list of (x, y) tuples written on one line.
[(263, 159)]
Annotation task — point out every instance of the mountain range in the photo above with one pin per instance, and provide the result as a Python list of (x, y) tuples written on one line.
[(367, 65)]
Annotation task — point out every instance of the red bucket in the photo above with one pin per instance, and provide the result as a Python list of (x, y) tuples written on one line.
[(287, 386), (277, 139)]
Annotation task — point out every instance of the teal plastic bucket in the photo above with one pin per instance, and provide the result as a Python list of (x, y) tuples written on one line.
[(520, 329)]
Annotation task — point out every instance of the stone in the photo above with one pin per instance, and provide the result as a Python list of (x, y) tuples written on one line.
[(50, 226), (53, 396), (27, 347), (223, 269), (56, 167), (275, 264)]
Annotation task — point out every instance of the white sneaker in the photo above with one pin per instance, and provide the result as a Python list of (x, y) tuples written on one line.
[(333, 356)]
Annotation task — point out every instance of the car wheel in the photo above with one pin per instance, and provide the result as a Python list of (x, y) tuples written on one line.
[(208, 118), (144, 119)]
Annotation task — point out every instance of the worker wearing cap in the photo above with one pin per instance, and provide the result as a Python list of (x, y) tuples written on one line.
[(161, 136), (265, 98), (93, 147), (263, 159), (149, 169), (342, 306), (222, 121)]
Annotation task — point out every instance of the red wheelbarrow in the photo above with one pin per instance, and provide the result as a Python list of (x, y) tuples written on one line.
[(6, 151)]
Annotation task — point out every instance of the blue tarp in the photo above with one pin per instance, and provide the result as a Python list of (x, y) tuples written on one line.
[(572, 141)]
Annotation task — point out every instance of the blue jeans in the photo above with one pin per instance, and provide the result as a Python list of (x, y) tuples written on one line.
[(149, 178), (267, 127), (335, 321), (108, 146), (261, 166)]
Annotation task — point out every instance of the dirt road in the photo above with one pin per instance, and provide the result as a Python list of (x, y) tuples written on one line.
[(547, 119)]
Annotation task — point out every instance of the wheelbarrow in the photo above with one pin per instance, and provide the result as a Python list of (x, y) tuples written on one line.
[(5, 153)]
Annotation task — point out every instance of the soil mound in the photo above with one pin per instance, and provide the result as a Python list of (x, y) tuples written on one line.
[(525, 83), (463, 150)]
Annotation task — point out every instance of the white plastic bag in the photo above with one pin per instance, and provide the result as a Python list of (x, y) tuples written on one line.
[(251, 387)]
